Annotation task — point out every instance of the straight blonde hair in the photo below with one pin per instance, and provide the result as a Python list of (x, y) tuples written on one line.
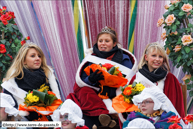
[(18, 63), (158, 48)]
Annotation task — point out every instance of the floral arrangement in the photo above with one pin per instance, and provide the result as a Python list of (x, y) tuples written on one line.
[(111, 69), (129, 91), (112, 75), (10, 40), (41, 97), (178, 37), (175, 120), (42, 101), (188, 119)]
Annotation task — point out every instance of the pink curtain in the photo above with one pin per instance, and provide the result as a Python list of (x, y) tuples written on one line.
[(113, 13), (56, 20)]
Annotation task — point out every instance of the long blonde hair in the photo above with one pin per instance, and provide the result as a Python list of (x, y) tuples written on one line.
[(18, 63), (158, 48)]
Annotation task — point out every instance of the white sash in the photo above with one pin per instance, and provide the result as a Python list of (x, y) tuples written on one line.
[(14, 89), (93, 59)]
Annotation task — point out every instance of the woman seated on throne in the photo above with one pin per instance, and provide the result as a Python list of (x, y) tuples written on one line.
[(87, 87)]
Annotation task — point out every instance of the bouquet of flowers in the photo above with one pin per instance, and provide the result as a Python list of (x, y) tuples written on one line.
[(42, 101), (123, 102), (112, 76), (129, 91), (175, 120)]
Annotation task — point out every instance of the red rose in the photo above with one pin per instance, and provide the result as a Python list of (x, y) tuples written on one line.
[(10, 56), (23, 42), (2, 48), (4, 8), (11, 14), (4, 22), (27, 38)]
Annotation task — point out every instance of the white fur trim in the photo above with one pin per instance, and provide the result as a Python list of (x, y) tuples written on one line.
[(53, 83), (53, 86), (108, 103), (23, 113), (161, 83)]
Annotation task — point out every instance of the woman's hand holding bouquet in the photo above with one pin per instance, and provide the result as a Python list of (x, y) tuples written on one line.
[(107, 75), (42, 101)]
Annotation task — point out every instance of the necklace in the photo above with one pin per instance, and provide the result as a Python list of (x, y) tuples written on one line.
[(156, 113)]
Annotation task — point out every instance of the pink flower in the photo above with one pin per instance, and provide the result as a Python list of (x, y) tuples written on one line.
[(170, 19), (174, 1), (177, 48), (160, 22), (166, 7), (163, 36), (186, 7), (186, 40)]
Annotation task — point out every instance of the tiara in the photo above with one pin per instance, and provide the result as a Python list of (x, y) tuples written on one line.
[(107, 30)]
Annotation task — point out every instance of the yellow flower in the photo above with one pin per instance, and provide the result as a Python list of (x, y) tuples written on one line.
[(139, 87), (43, 87), (35, 98), (127, 100)]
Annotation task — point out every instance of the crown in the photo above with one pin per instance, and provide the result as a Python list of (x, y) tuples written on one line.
[(107, 30)]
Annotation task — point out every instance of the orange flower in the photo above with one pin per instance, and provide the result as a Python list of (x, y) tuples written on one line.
[(127, 91), (167, 51), (163, 36), (186, 40), (177, 48), (187, 7), (175, 126), (174, 1), (186, 77), (160, 22), (51, 93), (174, 119), (189, 118), (170, 19)]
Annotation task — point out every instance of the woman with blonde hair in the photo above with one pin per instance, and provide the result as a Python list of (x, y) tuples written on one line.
[(154, 65), (29, 71)]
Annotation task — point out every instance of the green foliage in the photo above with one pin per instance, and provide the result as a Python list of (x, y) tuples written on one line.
[(10, 40), (180, 51)]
